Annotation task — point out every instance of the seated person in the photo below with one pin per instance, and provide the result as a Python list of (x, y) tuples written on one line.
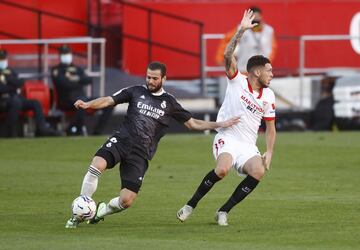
[(69, 81), (12, 102)]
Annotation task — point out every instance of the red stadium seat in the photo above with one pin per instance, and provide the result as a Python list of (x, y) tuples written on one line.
[(37, 90)]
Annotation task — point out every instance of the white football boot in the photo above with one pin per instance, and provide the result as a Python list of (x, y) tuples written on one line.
[(184, 213), (221, 218)]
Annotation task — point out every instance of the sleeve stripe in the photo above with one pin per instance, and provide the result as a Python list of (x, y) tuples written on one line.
[(116, 93), (269, 118), (234, 75)]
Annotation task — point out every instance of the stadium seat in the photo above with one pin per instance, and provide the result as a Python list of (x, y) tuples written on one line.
[(37, 90)]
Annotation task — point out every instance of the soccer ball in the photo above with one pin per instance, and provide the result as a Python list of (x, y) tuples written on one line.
[(83, 208)]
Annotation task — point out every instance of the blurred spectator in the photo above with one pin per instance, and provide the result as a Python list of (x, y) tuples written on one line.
[(323, 116), (12, 102), (69, 81), (258, 41)]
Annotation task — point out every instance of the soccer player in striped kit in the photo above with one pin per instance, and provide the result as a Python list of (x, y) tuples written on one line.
[(235, 147)]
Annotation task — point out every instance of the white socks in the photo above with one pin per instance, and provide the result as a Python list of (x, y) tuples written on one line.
[(88, 188), (90, 181), (112, 207)]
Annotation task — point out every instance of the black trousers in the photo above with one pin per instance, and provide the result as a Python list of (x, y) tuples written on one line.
[(15, 104)]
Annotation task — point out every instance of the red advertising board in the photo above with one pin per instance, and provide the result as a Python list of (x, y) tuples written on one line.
[(290, 19)]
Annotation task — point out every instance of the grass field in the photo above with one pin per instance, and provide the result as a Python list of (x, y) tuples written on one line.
[(310, 199)]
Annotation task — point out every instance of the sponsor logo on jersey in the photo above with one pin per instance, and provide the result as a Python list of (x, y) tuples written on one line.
[(142, 97), (149, 110), (251, 106)]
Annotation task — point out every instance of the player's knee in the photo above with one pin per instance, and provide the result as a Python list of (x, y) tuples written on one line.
[(257, 172), (99, 163), (127, 199), (221, 171)]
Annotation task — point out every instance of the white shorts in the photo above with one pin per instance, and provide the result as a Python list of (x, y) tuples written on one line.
[(240, 152)]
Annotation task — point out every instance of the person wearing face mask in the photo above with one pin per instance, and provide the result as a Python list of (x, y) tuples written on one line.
[(12, 101), (260, 40), (69, 81)]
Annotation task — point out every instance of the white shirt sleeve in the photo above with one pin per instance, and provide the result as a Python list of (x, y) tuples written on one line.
[(269, 107)]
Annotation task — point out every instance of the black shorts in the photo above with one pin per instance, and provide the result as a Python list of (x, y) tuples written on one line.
[(132, 164)]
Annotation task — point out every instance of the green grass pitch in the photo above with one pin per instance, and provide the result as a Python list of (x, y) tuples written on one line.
[(310, 198)]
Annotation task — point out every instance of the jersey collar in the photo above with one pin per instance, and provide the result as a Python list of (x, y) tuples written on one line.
[(162, 91), (251, 90)]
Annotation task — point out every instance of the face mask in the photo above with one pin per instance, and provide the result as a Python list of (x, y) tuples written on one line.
[(3, 64), (256, 21), (66, 58)]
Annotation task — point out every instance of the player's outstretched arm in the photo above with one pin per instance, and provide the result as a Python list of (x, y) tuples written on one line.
[(270, 136), (98, 103), (229, 58), (196, 124)]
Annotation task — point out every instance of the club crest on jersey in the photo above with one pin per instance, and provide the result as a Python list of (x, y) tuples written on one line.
[(163, 104)]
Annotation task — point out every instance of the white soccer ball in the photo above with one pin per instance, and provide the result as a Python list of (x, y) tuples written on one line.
[(83, 208)]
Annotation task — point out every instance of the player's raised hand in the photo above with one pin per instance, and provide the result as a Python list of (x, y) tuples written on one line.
[(247, 20), (230, 122), (80, 104)]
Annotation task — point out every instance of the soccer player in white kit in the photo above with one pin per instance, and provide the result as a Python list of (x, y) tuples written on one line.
[(235, 146)]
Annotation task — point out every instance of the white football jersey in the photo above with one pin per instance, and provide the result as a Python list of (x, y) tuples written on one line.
[(252, 107)]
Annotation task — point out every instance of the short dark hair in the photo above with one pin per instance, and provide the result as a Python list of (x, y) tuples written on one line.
[(255, 61), (255, 9), (158, 65)]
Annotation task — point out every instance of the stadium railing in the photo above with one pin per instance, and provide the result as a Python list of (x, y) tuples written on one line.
[(88, 41), (44, 76)]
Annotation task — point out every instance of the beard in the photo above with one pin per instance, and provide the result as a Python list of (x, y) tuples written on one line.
[(154, 90), (263, 83)]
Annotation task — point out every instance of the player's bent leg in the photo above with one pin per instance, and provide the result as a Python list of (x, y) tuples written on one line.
[(99, 163), (223, 164), (252, 166), (127, 197), (115, 205), (89, 184), (90, 181)]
